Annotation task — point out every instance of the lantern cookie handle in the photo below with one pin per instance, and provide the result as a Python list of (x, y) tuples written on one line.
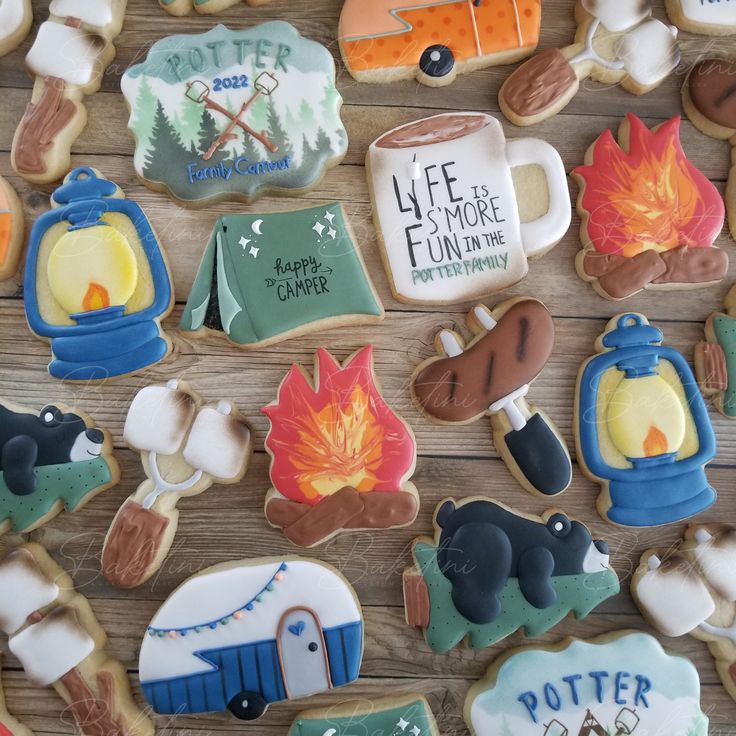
[(550, 227)]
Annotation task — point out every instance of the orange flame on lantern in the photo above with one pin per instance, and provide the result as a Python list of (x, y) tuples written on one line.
[(655, 443), (339, 433), (95, 298), (649, 198)]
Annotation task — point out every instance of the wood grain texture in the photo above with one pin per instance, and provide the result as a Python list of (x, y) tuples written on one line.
[(227, 522)]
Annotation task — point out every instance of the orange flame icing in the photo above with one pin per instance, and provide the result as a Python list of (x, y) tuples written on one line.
[(649, 198), (655, 443), (339, 433), (95, 298)]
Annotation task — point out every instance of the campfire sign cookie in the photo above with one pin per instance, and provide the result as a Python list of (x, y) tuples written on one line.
[(267, 277), (16, 18), (434, 40), (490, 376), (447, 207), (11, 230), (615, 43), (235, 114), (340, 457), (244, 634), (711, 17), (50, 460), (490, 571), (692, 590), (182, 7), (186, 447), (649, 217), (709, 100), (68, 59), (619, 684), (642, 429), (715, 359), (52, 630)]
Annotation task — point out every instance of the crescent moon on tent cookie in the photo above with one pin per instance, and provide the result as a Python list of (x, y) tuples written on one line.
[(256, 227)]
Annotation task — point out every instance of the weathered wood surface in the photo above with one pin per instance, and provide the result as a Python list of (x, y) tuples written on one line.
[(228, 522)]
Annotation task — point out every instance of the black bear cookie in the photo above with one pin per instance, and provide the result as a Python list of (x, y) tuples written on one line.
[(490, 570)]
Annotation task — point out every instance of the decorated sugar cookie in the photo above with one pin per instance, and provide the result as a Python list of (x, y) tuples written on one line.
[(692, 590), (9, 725), (649, 217), (97, 283), (16, 17), (267, 277), (340, 457), (490, 376), (68, 59), (449, 213), (11, 229), (50, 460), (182, 7), (490, 571), (715, 359), (54, 634), (433, 41), (407, 715), (642, 429), (618, 684), (235, 114), (186, 447), (709, 100), (615, 43), (247, 633), (711, 17)]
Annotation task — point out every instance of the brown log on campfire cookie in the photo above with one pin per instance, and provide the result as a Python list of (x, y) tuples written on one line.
[(490, 376), (341, 459)]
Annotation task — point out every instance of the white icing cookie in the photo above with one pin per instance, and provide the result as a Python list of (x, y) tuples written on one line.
[(447, 207), (16, 17), (711, 17)]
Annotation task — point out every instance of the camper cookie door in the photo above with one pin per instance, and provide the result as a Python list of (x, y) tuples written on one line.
[(446, 209)]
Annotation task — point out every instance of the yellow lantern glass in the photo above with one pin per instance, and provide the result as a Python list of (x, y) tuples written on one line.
[(645, 417), (92, 268)]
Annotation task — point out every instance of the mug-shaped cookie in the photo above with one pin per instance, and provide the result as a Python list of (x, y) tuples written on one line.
[(447, 208)]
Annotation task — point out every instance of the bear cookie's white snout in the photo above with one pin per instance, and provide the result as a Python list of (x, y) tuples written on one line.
[(597, 557), (88, 444)]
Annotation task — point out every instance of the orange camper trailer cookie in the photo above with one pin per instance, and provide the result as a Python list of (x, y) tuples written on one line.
[(386, 40)]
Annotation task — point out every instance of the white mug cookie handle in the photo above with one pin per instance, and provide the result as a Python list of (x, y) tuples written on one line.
[(538, 235)]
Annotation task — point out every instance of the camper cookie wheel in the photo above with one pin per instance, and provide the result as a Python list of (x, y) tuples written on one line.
[(68, 59), (615, 43), (693, 591), (184, 7), (185, 447), (52, 631)]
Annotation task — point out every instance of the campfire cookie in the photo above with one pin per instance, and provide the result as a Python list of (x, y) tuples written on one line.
[(614, 685), (642, 429), (341, 459), (268, 277), (68, 60), (11, 230), (715, 359), (407, 715), (451, 203), (16, 18), (434, 40), (243, 634), (182, 7), (235, 114), (52, 630), (50, 460), (490, 376), (709, 100), (615, 43), (491, 570), (692, 590), (186, 447), (649, 217)]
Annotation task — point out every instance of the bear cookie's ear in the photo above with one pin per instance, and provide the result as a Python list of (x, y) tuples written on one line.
[(51, 416), (444, 513)]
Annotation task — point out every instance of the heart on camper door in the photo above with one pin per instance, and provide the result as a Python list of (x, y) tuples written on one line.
[(297, 629)]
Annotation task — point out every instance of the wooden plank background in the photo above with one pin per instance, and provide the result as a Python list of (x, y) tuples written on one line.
[(227, 522)]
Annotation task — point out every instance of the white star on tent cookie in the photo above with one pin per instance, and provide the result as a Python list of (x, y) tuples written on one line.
[(332, 233), (319, 228), (415, 731), (329, 216), (402, 724), (254, 251), (244, 242)]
